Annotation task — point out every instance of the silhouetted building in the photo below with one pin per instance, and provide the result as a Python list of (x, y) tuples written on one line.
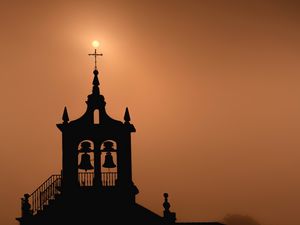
[(95, 185)]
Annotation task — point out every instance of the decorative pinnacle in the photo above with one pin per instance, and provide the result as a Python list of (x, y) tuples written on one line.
[(127, 115), (96, 80), (96, 90), (166, 203), (65, 116), (168, 215)]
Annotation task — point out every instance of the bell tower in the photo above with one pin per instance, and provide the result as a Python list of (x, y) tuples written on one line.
[(96, 149), (95, 185)]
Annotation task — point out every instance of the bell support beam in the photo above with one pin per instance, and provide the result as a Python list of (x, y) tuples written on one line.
[(97, 165)]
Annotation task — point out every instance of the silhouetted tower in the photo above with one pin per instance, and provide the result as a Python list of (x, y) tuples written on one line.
[(95, 135), (95, 185)]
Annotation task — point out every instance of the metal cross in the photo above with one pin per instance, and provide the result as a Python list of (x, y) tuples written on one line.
[(95, 54)]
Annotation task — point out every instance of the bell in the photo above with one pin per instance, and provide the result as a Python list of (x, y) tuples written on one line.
[(109, 162), (85, 163)]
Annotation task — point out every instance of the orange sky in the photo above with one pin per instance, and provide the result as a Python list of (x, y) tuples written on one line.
[(212, 88)]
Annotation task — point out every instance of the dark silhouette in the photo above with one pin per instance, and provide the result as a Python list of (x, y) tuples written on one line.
[(95, 185), (236, 219)]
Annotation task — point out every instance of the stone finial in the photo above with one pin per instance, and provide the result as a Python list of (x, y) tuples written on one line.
[(65, 116), (170, 217), (166, 204), (127, 115)]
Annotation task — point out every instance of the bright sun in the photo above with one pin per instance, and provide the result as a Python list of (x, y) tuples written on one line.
[(95, 44)]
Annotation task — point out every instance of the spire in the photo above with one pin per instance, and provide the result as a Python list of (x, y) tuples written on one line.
[(65, 116), (96, 83), (96, 90), (126, 115)]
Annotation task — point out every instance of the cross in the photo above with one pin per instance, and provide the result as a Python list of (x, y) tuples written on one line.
[(95, 54)]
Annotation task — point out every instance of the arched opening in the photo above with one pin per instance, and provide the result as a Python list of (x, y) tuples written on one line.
[(109, 163), (85, 163), (96, 116)]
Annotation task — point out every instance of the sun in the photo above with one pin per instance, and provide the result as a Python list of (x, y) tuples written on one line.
[(95, 44)]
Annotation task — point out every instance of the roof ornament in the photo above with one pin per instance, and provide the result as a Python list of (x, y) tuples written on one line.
[(168, 215), (65, 116), (126, 116)]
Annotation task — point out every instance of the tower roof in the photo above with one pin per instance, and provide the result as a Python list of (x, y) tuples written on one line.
[(96, 102)]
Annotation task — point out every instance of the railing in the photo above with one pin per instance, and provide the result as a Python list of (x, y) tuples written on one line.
[(86, 179), (44, 193), (51, 187), (108, 179)]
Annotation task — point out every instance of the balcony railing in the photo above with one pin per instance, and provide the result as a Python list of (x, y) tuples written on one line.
[(86, 179), (108, 179)]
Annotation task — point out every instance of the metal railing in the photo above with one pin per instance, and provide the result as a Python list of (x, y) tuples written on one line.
[(86, 179), (44, 193), (109, 179), (51, 187)]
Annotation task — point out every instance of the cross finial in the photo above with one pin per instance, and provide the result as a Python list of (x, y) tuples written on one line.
[(95, 54)]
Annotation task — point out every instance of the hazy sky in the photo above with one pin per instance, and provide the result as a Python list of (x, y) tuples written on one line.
[(212, 88)]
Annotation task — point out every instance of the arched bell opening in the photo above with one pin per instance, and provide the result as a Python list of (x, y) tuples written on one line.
[(109, 163), (85, 163)]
